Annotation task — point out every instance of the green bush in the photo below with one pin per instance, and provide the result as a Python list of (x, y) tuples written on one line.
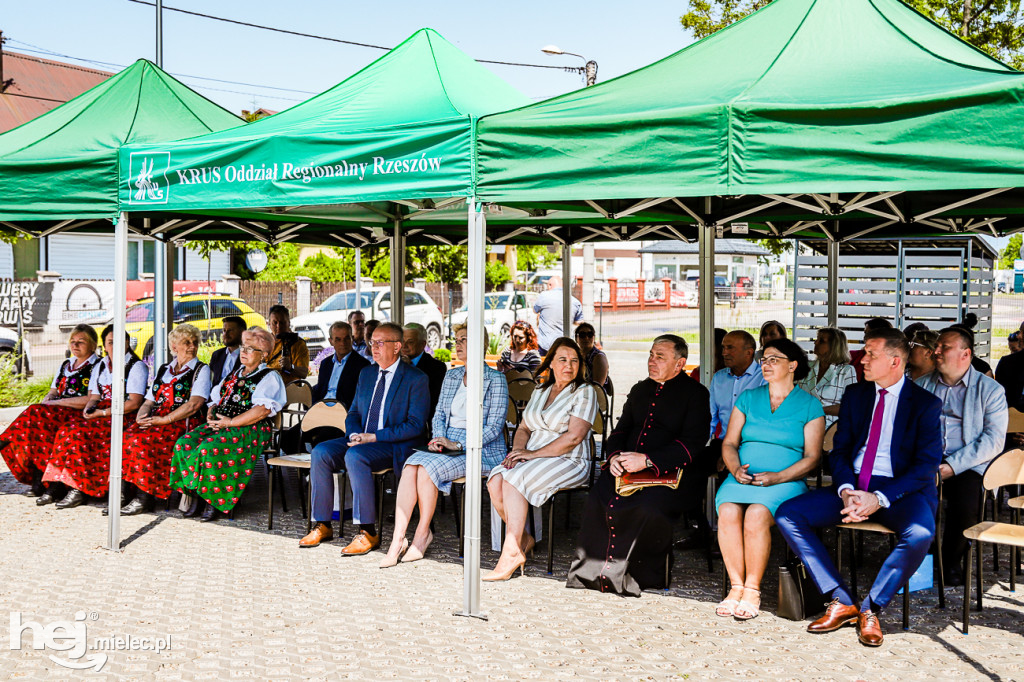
[(443, 354), (15, 391)]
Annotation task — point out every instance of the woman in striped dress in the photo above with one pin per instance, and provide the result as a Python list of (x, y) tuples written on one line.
[(551, 451)]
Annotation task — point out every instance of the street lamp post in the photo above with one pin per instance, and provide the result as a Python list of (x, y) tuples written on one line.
[(589, 71)]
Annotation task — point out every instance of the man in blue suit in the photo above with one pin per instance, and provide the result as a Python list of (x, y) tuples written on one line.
[(884, 459), (387, 419)]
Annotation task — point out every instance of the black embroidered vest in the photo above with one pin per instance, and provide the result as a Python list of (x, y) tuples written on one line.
[(236, 395)]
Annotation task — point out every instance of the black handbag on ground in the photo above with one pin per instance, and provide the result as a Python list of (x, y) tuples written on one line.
[(799, 598)]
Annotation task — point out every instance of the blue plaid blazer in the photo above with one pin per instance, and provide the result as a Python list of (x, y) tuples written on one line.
[(495, 410)]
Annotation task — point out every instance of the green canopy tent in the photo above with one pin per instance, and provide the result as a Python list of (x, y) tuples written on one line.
[(59, 172), (367, 158), (809, 118)]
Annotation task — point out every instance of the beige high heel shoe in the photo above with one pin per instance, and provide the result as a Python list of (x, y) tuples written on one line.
[(388, 562), (494, 576)]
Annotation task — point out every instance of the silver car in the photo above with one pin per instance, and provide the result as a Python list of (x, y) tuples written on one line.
[(375, 303)]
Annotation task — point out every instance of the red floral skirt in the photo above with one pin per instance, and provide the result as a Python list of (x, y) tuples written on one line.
[(148, 453), (31, 437), (81, 454)]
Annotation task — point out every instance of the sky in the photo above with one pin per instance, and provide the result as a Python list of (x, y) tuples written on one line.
[(117, 32)]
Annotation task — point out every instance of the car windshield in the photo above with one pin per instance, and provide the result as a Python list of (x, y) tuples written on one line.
[(346, 300), (142, 312), (491, 302)]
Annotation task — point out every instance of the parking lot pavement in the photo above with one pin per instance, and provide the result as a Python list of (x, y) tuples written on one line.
[(239, 602)]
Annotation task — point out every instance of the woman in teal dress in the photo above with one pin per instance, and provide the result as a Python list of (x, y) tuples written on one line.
[(773, 443)]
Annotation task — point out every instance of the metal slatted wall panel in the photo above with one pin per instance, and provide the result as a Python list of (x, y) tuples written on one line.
[(867, 288), (934, 285), (981, 280)]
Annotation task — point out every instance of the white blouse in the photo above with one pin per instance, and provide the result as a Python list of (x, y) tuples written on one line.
[(269, 393), (458, 409), (200, 385), (102, 376), (67, 370)]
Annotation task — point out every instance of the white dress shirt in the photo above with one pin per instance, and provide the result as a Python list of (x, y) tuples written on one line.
[(230, 362), (883, 458), (389, 376)]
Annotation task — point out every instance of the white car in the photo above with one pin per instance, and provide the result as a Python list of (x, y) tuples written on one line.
[(501, 310), (375, 303), (9, 344)]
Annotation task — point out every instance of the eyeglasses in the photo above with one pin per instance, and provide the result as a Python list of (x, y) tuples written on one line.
[(383, 342), (250, 349), (772, 360), (585, 335), (917, 344), (462, 341)]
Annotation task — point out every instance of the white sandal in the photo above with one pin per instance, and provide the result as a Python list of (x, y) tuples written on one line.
[(747, 607), (727, 607)]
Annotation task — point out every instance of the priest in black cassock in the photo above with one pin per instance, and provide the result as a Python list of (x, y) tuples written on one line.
[(624, 541)]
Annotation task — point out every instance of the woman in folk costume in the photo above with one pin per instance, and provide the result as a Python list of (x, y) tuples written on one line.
[(81, 449), (174, 404), (215, 461), (27, 443)]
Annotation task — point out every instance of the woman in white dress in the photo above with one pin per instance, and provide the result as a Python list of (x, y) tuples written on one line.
[(831, 372), (551, 451)]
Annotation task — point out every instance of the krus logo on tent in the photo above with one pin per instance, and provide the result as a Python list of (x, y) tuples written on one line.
[(147, 177)]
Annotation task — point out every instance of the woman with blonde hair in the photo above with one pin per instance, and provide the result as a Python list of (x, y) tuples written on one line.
[(215, 461), (831, 371), (27, 443), (179, 391), (425, 474)]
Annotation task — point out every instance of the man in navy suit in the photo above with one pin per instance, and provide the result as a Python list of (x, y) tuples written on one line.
[(387, 419), (886, 452)]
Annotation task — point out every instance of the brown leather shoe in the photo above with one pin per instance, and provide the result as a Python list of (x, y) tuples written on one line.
[(321, 533), (869, 629), (361, 544), (836, 616)]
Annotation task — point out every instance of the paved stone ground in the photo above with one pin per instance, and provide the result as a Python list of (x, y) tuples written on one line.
[(241, 602)]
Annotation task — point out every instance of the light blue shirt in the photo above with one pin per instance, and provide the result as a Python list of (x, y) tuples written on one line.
[(416, 360), (725, 388), (339, 367)]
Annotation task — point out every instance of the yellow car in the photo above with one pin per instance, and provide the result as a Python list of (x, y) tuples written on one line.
[(204, 311)]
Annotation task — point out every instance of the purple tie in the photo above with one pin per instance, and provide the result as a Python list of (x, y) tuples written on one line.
[(864, 477)]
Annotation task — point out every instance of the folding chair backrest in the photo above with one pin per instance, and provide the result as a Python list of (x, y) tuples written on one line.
[(300, 393), (1016, 421), (602, 398), (512, 414), (830, 434), (520, 390), (324, 414), (512, 376), (1006, 469)]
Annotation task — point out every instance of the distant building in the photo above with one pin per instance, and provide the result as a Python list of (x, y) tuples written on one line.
[(678, 260), (31, 86)]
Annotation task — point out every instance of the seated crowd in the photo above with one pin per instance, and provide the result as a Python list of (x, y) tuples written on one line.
[(906, 410)]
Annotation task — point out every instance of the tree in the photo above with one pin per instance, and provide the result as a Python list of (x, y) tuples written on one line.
[(1010, 253), (530, 258), (995, 26), (496, 273), (778, 247)]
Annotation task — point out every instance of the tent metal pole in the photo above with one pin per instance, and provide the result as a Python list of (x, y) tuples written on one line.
[(567, 290), (475, 412), (163, 301), (117, 367), (359, 280), (833, 282), (706, 292), (398, 274)]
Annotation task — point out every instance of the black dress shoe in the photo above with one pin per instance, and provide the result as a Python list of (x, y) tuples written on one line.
[(953, 579), (74, 498), (197, 507), (209, 514), (45, 498), (138, 506)]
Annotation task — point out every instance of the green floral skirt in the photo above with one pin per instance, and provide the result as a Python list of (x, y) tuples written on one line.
[(217, 465)]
